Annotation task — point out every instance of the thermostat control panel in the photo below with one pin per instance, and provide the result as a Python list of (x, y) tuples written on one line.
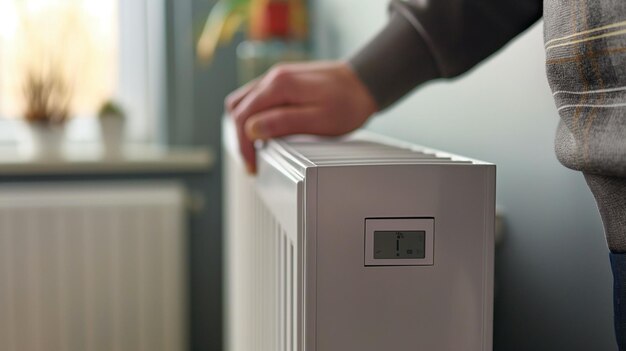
[(399, 241)]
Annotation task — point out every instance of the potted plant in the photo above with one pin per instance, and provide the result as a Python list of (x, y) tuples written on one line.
[(47, 100), (111, 120)]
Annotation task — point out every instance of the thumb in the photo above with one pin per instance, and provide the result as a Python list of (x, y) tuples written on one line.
[(283, 121)]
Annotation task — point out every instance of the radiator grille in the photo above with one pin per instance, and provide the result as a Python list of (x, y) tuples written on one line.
[(91, 268), (334, 152), (274, 283), (262, 271)]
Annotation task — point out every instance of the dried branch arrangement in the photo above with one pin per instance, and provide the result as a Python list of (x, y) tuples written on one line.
[(47, 98)]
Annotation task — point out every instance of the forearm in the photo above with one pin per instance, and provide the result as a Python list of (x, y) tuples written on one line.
[(394, 62), (426, 39)]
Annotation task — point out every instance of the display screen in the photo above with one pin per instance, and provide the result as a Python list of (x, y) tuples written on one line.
[(399, 244)]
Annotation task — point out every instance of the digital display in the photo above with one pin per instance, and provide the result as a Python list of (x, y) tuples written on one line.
[(399, 244)]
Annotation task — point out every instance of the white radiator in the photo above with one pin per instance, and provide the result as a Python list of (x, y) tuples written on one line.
[(92, 267), (361, 243)]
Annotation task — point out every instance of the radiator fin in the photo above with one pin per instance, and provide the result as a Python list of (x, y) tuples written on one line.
[(274, 291), (339, 152), (261, 271)]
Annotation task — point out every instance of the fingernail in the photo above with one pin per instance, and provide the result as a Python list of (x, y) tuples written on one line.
[(255, 130)]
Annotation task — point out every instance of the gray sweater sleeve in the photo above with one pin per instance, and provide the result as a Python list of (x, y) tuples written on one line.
[(428, 39)]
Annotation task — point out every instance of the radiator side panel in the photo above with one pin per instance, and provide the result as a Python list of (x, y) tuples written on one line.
[(445, 306)]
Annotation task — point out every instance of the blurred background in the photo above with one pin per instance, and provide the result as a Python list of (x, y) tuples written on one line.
[(110, 169)]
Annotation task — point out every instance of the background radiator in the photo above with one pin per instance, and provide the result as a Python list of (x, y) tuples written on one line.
[(309, 265), (92, 267)]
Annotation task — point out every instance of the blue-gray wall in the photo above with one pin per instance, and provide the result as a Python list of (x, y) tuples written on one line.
[(552, 274), (196, 93)]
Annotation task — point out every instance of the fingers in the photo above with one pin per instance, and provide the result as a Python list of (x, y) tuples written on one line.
[(273, 90), (290, 99), (233, 99), (253, 102), (282, 121), (274, 76), (278, 88), (274, 123), (246, 147)]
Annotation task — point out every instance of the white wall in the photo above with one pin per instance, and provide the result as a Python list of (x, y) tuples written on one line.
[(553, 277)]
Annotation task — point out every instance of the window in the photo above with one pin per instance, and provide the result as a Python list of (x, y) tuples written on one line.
[(104, 49)]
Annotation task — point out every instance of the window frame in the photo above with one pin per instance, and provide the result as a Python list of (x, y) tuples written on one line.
[(141, 85)]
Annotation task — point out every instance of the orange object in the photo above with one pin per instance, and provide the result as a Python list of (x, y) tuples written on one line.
[(276, 22), (282, 19)]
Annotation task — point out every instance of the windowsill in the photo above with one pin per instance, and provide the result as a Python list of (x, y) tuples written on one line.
[(90, 159)]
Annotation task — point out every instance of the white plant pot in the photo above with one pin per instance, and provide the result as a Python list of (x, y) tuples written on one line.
[(45, 141), (112, 135)]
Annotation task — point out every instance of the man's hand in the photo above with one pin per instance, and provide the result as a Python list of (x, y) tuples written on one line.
[(321, 98)]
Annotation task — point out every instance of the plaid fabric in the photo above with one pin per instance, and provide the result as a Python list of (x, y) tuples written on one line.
[(586, 65), (585, 43), (610, 194)]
